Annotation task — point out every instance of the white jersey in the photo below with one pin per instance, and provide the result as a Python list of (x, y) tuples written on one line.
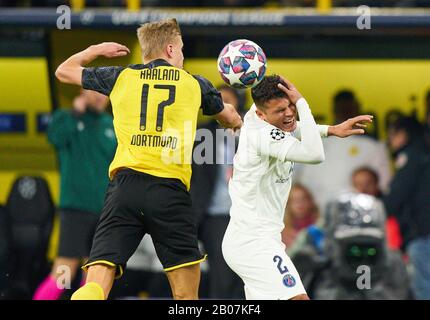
[(259, 190), (260, 184), (261, 179)]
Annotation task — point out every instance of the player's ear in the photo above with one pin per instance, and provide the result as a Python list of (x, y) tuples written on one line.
[(169, 50), (260, 114)]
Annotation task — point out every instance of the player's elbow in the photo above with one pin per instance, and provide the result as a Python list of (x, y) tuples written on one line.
[(315, 156), (318, 157), (61, 74), (69, 74)]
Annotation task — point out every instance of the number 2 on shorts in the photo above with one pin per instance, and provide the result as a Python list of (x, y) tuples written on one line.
[(282, 269)]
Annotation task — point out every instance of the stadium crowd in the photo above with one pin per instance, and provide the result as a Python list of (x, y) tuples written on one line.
[(221, 3)]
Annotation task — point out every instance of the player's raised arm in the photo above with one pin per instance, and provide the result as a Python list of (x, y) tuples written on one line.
[(229, 117), (70, 71), (352, 126), (212, 105)]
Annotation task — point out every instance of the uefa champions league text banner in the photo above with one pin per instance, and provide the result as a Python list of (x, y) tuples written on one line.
[(298, 18)]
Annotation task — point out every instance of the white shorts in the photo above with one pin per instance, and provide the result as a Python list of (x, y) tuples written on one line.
[(263, 265)]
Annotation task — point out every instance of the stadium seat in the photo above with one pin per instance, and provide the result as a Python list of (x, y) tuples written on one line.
[(30, 212)]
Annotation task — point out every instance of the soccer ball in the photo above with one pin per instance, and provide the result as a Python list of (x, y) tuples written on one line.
[(242, 64)]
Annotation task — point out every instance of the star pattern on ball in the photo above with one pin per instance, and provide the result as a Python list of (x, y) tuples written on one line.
[(234, 51), (233, 77), (254, 65)]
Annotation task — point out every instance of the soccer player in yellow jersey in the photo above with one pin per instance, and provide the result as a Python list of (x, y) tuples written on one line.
[(155, 107)]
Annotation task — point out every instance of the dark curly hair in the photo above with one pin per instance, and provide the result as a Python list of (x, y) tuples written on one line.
[(267, 90)]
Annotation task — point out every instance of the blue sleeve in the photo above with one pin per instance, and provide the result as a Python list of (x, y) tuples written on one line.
[(211, 98)]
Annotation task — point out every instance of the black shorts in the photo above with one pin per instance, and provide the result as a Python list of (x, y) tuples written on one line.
[(76, 233), (137, 203)]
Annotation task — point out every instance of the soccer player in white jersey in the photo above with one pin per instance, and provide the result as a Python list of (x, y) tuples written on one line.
[(271, 140)]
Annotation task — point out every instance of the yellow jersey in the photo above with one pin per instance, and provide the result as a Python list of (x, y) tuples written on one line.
[(155, 108)]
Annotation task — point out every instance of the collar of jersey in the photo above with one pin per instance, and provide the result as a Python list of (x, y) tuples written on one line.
[(153, 64)]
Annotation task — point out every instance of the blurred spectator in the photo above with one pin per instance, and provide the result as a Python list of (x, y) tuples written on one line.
[(365, 180), (326, 180), (382, 3), (5, 243), (209, 191), (427, 118), (356, 3), (409, 198), (427, 109), (233, 3), (85, 143), (353, 237), (300, 213), (298, 3), (211, 3), (219, 3)]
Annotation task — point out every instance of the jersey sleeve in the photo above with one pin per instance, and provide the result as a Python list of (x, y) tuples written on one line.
[(322, 128), (211, 98), (100, 79)]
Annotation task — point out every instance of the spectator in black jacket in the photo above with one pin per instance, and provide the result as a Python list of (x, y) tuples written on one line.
[(427, 118), (409, 198), (211, 201)]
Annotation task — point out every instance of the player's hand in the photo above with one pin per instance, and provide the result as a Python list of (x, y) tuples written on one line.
[(229, 118), (293, 94), (111, 49), (238, 125), (232, 130), (350, 127)]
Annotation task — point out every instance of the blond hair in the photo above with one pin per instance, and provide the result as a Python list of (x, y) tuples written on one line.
[(155, 36)]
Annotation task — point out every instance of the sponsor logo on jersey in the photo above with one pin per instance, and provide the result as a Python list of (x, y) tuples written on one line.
[(147, 140), (281, 180)]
